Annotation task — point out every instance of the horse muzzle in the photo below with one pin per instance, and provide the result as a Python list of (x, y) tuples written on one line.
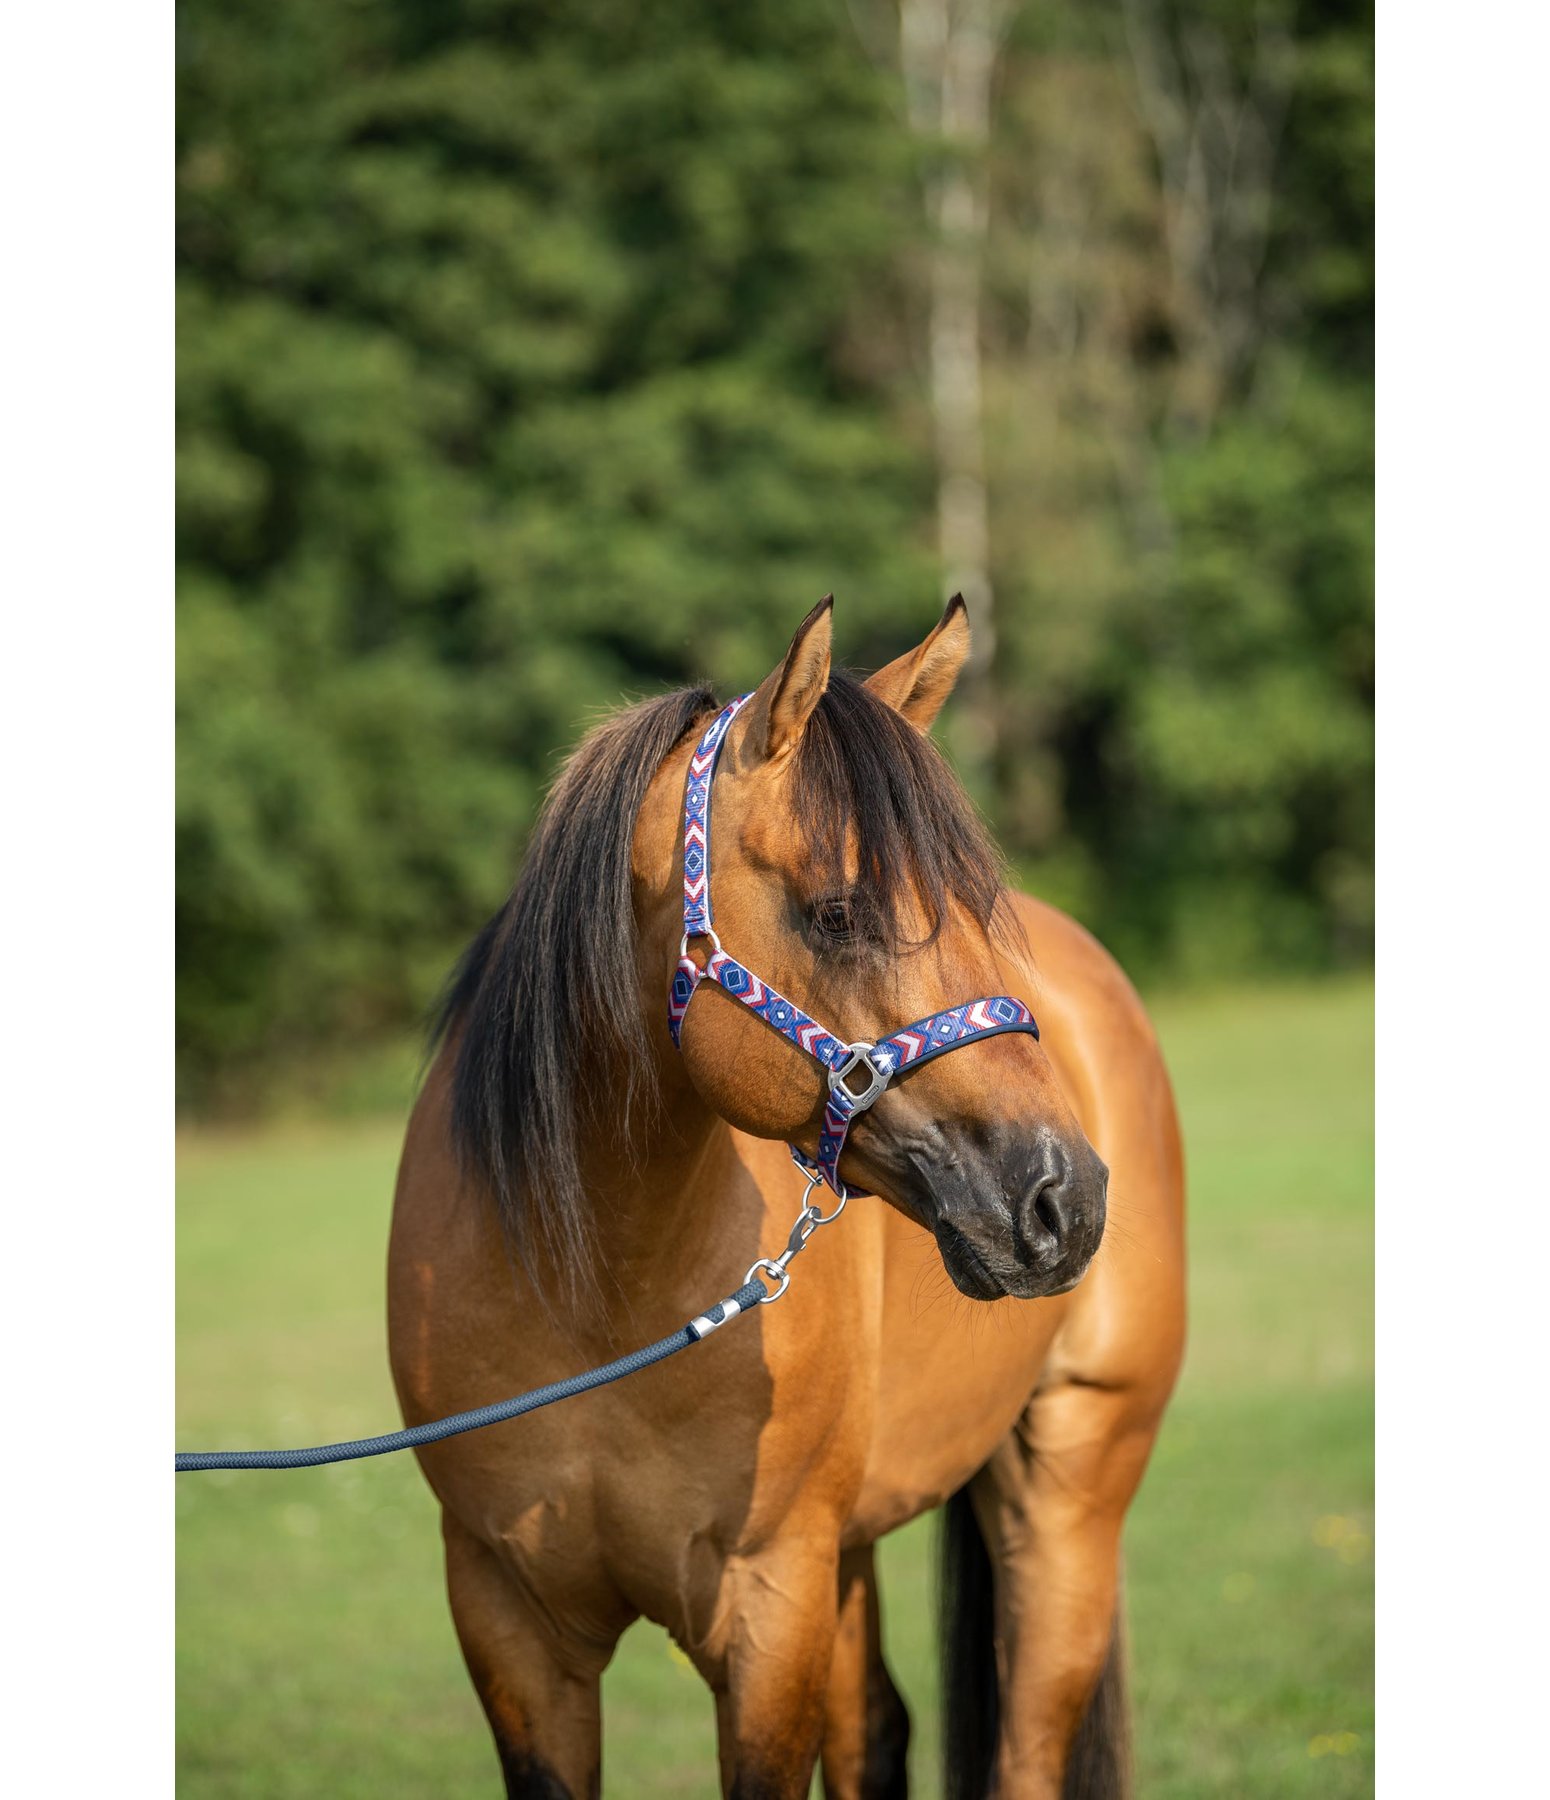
[(1019, 1219)]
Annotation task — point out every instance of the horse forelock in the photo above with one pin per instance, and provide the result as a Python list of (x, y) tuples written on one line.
[(547, 992), (873, 793)]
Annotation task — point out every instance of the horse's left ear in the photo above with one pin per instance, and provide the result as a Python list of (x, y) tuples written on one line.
[(779, 711), (917, 683)]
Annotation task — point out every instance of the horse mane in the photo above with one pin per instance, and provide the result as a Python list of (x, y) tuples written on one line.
[(545, 995)]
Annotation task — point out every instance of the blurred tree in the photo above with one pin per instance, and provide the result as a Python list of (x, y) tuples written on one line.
[(533, 355), (528, 357), (948, 51), (1180, 427)]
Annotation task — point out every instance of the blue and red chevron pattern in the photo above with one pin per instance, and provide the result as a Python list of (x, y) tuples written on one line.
[(926, 1038), (758, 996), (890, 1056), (702, 768)]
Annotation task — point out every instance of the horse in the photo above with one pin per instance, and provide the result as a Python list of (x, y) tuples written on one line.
[(994, 1326)]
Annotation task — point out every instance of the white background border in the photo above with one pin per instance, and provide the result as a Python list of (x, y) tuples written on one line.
[(86, 750), (1464, 1002)]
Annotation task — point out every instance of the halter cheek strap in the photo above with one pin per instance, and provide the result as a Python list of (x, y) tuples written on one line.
[(858, 1073)]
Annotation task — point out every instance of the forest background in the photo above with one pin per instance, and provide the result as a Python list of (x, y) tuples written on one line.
[(534, 356)]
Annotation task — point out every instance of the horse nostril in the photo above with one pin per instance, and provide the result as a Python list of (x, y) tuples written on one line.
[(1040, 1222), (1047, 1208), (1060, 1209)]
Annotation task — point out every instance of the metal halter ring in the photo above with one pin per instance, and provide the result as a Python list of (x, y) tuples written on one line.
[(769, 1270), (706, 931), (819, 1217), (858, 1056)]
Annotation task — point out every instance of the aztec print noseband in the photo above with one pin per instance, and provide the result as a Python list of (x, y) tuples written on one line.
[(874, 1065)]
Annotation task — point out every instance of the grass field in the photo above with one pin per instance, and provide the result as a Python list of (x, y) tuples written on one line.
[(315, 1655)]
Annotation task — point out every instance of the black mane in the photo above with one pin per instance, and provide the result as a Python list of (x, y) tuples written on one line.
[(545, 994)]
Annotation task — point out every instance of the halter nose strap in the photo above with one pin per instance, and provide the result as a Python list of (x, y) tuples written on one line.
[(858, 1073)]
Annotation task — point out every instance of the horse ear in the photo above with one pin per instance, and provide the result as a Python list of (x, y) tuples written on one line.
[(779, 711), (917, 683)]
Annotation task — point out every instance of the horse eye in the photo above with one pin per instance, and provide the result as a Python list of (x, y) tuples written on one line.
[(835, 918)]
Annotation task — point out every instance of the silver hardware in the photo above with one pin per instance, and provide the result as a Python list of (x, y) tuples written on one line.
[(778, 1268), (823, 1218), (704, 1325), (708, 932), (768, 1270), (806, 1225), (857, 1056)]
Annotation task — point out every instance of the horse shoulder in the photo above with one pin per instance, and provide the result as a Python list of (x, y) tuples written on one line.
[(1124, 1326)]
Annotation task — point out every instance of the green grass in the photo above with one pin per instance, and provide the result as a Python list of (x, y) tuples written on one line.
[(315, 1655)]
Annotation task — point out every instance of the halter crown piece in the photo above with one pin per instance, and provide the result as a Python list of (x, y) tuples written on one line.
[(858, 1073)]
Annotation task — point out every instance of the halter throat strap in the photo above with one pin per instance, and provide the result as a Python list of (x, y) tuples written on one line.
[(859, 1073)]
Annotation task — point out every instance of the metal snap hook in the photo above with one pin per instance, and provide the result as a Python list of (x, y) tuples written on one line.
[(806, 1225), (769, 1270)]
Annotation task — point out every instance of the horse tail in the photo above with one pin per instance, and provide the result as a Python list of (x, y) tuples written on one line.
[(1100, 1764), (971, 1695)]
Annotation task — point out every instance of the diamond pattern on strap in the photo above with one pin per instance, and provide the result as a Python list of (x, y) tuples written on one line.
[(895, 1055)]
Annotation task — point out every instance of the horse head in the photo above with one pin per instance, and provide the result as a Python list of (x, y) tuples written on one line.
[(852, 872)]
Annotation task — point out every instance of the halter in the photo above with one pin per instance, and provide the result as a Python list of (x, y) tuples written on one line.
[(875, 1065), (872, 1066)]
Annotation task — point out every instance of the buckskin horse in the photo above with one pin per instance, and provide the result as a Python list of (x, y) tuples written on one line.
[(574, 1182)]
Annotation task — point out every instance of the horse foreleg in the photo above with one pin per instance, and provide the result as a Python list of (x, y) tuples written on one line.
[(1051, 1504), (866, 1727), (782, 1606), (539, 1689)]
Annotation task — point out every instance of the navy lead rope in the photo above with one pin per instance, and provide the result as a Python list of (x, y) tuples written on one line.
[(751, 1293), (876, 1064)]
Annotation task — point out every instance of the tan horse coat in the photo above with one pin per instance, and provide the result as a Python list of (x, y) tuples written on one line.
[(732, 1494)]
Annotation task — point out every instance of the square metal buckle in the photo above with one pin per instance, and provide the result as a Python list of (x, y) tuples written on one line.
[(858, 1056)]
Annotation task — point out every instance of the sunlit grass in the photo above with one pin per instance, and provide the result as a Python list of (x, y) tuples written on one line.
[(315, 1653)]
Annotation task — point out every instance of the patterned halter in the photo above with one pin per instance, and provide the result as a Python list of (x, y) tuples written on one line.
[(873, 1065)]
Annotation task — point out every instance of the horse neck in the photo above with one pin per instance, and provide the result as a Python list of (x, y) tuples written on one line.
[(657, 1192), (658, 1183)]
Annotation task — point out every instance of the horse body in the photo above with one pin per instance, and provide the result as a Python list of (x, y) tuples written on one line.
[(952, 1378), (733, 1494)]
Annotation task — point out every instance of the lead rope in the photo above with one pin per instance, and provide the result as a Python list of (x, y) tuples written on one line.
[(918, 1043), (753, 1292)]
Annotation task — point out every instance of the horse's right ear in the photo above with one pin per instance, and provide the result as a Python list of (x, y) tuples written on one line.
[(917, 683), (779, 711)]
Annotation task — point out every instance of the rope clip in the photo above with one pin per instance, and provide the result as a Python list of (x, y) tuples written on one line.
[(778, 1268)]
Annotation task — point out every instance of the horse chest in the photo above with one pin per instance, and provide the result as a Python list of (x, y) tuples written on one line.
[(953, 1376)]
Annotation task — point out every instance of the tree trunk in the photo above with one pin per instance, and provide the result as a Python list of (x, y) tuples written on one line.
[(947, 54)]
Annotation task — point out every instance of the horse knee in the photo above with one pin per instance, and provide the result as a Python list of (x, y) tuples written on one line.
[(542, 1705)]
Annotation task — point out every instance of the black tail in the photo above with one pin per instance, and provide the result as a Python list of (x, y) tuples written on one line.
[(971, 1696), (1099, 1768)]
